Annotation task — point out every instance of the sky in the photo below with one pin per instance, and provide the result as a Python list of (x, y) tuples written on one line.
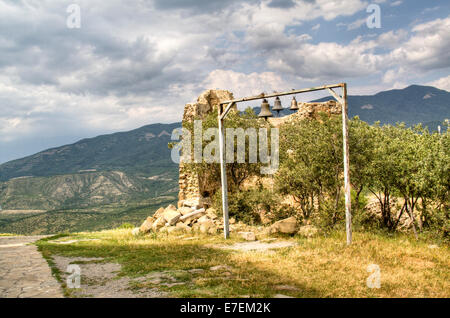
[(76, 69)]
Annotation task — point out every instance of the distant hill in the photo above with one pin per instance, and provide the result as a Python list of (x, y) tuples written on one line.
[(121, 168), (411, 105), (141, 151), (84, 190)]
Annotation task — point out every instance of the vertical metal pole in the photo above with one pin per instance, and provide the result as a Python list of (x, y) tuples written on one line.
[(348, 209), (223, 175)]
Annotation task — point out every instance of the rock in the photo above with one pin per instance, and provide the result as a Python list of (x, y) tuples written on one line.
[(193, 216), (196, 270), (170, 207), (184, 227), (221, 268), (185, 210), (147, 225), (212, 213), (248, 236), (193, 203), (171, 216), (282, 296), (286, 287), (135, 231), (308, 231), (203, 219), (206, 225), (158, 213), (287, 226), (212, 230), (158, 224), (174, 230), (196, 227)]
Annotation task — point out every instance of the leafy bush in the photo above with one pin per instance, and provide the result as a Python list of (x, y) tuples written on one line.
[(126, 226), (247, 205)]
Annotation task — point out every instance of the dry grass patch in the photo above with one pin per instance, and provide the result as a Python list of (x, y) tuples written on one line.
[(316, 267)]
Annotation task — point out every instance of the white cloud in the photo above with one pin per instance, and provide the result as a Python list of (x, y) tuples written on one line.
[(427, 49), (242, 84), (140, 63), (442, 83), (356, 24), (396, 3), (327, 60)]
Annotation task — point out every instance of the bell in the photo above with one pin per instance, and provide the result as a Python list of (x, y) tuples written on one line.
[(265, 110), (294, 104), (277, 105)]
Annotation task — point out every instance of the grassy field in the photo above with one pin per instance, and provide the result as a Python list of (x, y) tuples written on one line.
[(315, 267)]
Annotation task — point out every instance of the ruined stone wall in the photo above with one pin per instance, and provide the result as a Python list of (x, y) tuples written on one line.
[(190, 184), (192, 187)]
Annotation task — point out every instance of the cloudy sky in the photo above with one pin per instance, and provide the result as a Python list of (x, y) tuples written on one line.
[(137, 62)]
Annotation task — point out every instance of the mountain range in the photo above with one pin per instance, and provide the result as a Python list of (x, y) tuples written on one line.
[(411, 105), (134, 165)]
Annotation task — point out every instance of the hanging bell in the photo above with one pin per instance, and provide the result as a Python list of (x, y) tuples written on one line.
[(265, 110), (294, 104), (277, 105)]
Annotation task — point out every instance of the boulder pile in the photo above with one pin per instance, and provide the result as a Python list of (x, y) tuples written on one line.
[(190, 220), (183, 220)]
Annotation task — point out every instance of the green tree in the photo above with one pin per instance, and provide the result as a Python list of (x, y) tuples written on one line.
[(237, 172), (311, 165), (361, 147)]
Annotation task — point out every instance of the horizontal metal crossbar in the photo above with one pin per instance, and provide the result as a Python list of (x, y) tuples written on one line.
[(293, 92)]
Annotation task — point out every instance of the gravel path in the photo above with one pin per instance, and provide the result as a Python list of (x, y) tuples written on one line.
[(100, 280), (23, 271)]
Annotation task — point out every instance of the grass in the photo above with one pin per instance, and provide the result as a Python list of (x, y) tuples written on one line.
[(316, 267)]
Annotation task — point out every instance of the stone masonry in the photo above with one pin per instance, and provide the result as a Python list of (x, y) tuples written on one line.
[(191, 193)]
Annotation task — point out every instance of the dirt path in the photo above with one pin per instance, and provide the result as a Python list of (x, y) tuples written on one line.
[(23, 271), (99, 279)]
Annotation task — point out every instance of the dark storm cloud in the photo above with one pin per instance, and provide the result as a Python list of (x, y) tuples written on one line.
[(198, 6), (41, 50), (285, 4)]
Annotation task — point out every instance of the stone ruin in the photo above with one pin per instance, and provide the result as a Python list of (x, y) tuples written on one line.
[(193, 190), (194, 212)]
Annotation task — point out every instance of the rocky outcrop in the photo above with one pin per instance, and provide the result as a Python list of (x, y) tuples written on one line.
[(286, 226), (171, 220)]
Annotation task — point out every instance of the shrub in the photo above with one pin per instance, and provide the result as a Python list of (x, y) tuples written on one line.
[(126, 226), (247, 205)]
